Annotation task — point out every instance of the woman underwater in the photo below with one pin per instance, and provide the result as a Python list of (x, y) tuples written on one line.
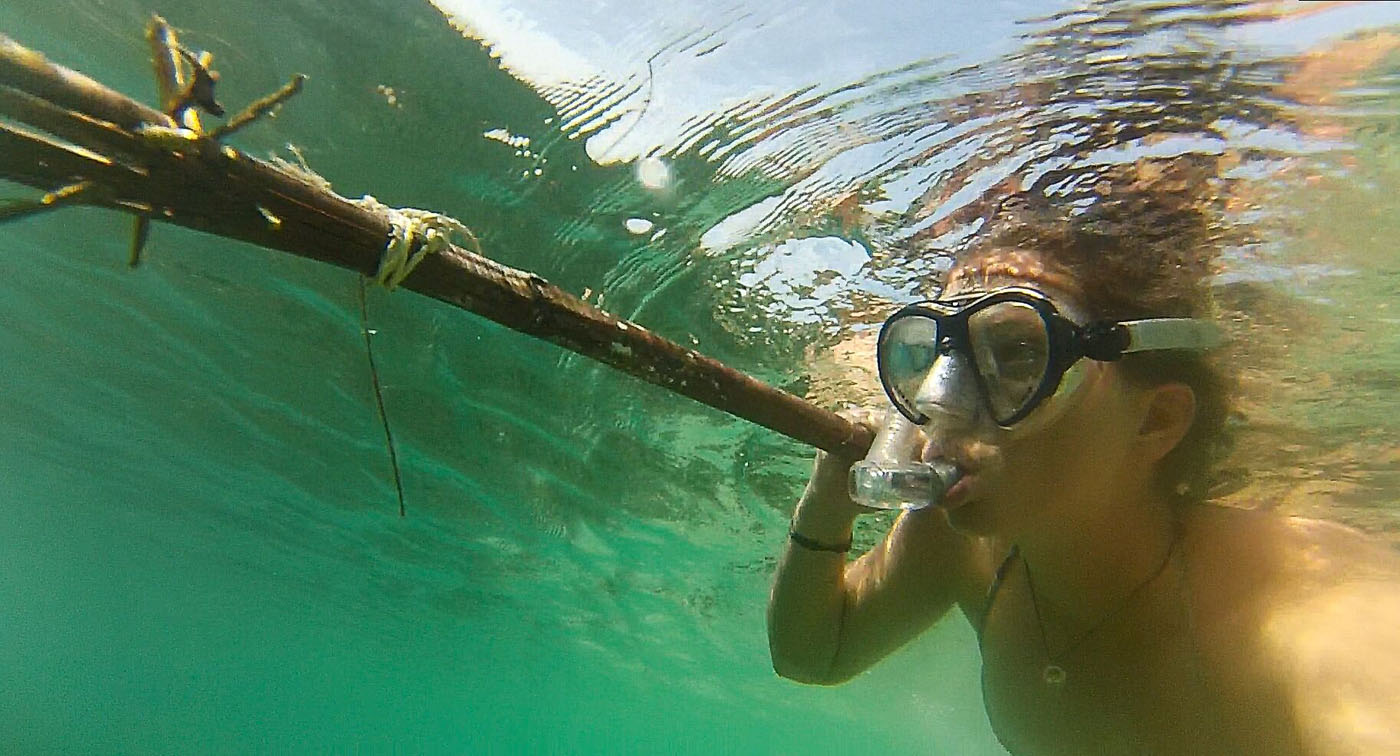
[(1066, 371)]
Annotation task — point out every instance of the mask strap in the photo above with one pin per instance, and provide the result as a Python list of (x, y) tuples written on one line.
[(1107, 341), (1171, 333)]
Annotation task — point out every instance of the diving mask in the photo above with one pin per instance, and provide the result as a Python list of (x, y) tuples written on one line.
[(1008, 353), (1017, 346)]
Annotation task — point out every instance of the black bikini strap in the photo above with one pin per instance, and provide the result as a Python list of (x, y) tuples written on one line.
[(1002, 569)]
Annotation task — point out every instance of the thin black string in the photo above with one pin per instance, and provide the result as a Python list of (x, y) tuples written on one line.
[(379, 397)]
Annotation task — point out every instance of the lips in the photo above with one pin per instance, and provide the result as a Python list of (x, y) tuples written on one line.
[(958, 493)]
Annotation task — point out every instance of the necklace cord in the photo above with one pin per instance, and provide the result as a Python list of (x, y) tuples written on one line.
[(1132, 596)]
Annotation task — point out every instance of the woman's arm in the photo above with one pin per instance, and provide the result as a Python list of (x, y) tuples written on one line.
[(1342, 654), (829, 620), (1331, 633)]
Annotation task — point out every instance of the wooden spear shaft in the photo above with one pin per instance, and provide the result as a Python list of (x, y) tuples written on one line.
[(213, 188)]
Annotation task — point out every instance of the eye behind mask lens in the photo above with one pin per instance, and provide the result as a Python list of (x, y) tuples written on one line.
[(1011, 351)]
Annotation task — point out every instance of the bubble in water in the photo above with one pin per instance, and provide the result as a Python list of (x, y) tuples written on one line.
[(638, 226), (654, 173)]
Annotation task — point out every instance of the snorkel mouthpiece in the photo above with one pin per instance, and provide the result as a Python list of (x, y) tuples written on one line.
[(889, 477)]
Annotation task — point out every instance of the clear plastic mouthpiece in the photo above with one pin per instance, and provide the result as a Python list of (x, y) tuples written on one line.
[(889, 477)]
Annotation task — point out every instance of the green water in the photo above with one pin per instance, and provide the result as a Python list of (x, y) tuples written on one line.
[(201, 546)]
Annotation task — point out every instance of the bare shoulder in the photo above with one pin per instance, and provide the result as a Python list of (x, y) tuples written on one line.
[(1237, 553), (1297, 617), (1247, 568)]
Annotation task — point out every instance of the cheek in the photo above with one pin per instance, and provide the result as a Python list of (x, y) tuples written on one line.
[(1035, 468), (1082, 449)]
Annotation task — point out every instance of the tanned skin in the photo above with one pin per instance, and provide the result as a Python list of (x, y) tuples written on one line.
[(1208, 630)]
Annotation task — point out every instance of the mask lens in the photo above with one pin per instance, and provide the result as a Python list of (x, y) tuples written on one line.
[(908, 349), (1011, 349)]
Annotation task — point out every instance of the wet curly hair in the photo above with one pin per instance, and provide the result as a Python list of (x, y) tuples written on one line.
[(1143, 243)]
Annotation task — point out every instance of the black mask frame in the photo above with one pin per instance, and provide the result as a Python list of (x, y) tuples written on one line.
[(1067, 342)]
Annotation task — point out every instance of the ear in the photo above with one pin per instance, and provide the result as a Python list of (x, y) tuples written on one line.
[(1170, 409)]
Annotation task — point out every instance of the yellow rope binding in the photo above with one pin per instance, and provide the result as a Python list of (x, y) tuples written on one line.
[(414, 234)]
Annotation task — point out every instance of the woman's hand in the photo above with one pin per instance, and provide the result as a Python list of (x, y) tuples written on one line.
[(829, 486)]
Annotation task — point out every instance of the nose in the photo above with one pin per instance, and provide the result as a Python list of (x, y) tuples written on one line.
[(949, 394)]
